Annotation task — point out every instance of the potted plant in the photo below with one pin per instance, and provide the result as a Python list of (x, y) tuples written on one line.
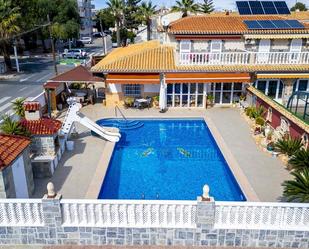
[(155, 101), (128, 102), (210, 101)]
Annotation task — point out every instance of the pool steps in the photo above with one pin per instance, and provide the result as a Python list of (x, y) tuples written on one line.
[(121, 124)]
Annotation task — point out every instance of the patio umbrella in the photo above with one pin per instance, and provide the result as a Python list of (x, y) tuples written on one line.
[(162, 99)]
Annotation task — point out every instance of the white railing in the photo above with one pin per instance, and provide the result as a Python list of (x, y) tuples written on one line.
[(21, 212), (262, 215), (40, 98), (128, 213), (243, 58)]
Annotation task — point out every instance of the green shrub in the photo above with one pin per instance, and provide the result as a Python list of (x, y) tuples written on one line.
[(11, 127), (260, 121), (297, 190), (288, 146), (248, 111), (210, 98), (129, 101), (18, 107), (258, 112), (300, 160), (156, 98)]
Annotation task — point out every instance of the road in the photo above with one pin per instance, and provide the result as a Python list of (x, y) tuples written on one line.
[(34, 73)]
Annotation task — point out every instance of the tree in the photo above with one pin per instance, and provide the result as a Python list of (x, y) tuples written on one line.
[(146, 11), (9, 26), (131, 14), (106, 18), (300, 160), (11, 127), (18, 107), (185, 6), (298, 188), (299, 6), (207, 6), (117, 8)]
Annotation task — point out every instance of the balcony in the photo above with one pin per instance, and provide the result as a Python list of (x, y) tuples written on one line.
[(243, 58)]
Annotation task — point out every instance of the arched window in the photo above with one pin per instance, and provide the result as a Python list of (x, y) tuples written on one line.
[(269, 115), (305, 140)]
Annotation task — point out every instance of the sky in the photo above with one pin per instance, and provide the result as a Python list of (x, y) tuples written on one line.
[(219, 4)]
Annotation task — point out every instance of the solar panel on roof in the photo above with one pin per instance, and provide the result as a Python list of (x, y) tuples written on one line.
[(267, 24), (262, 7), (282, 8), (280, 24), (253, 24), (243, 8), (256, 7), (269, 8), (294, 24), (273, 24)]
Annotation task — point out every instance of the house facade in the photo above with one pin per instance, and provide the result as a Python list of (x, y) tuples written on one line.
[(212, 55)]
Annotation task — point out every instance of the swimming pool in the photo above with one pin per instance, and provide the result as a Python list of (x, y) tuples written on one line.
[(167, 159)]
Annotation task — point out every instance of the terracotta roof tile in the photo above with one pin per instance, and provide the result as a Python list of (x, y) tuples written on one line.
[(147, 56), (10, 148), (208, 24), (77, 74), (32, 105), (44, 126)]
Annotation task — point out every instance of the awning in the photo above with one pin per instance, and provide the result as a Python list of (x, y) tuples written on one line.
[(207, 77), (133, 78), (282, 76), (276, 36)]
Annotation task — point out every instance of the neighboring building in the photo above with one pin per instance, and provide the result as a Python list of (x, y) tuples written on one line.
[(211, 55), (16, 177), (86, 15), (3, 68)]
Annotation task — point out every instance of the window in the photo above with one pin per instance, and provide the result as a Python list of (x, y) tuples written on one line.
[(132, 90), (271, 88), (301, 85), (185, 46)]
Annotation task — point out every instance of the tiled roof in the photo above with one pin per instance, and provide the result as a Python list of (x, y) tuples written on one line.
[(44, 126), (10, 148), (148, 56), (208, 24), (32, 106), (77, 74), (154, 57)]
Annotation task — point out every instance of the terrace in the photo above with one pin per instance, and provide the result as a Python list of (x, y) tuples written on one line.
[(243, 58)]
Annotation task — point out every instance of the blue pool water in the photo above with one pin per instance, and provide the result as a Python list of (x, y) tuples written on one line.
[(167, 160)]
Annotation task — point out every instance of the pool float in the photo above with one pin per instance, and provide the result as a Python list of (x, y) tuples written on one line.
[(184, 152), (147, 152)]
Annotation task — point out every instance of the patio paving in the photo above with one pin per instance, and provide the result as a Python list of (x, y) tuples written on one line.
[(264, 173)]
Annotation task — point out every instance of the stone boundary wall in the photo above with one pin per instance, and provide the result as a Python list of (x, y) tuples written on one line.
[(205, 233)]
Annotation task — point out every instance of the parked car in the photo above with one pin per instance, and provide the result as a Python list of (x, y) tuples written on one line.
[(74, 44), (74, 53), (98, 34), (86, 40), (108, 32)]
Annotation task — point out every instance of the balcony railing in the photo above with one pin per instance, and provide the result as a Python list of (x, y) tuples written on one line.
[(243, 58)]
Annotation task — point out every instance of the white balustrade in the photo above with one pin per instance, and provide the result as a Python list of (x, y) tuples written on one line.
[(262, 215), (21, 212), (128, 213), (243, 58)]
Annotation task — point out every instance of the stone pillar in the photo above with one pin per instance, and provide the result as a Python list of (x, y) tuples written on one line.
[(205, 217), (287, 90), (51, 214)]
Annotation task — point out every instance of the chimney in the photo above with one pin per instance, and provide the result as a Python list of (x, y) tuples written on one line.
[(32, 110)]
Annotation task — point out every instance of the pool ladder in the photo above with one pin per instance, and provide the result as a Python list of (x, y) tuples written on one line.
[(117, 109)]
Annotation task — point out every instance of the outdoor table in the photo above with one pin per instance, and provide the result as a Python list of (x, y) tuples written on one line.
[(139, 102), (80, 96)]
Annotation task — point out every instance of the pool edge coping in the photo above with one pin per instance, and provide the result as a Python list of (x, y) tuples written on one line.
[(241, 179)]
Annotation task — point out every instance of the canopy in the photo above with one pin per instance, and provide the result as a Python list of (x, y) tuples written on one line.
[(133, 78), (282, 76), (207, 77)]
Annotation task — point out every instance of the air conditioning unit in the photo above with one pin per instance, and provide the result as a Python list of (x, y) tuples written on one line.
[(250, 41)]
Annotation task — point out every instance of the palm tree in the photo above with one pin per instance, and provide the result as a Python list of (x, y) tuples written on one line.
[(298, 188), (117, 8), (18, 107), (185, 6), (9, 17), (146, 11), (300, 160), (289, 146), (11, 127), (207, 6)]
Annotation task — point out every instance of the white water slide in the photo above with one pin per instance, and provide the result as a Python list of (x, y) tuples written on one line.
[(73, 115)]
